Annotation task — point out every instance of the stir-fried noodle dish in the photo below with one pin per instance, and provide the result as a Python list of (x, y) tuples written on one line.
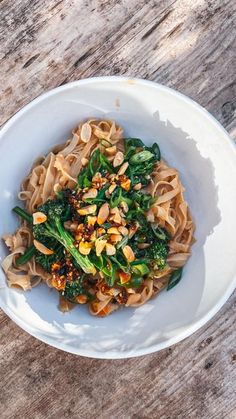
[(104, 222)]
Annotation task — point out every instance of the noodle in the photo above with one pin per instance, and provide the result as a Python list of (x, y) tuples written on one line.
[(59, 170)]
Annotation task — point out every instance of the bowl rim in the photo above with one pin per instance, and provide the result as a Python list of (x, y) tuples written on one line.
[(189, 329)]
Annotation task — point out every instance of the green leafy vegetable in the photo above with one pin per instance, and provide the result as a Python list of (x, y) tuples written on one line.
[(75, 288), (175, 278), (131, 144), (83, 179), (141, 160), (109, 266), (100, 198), (160, 233), (155, 150), (123, 242), (26, 256), (135, 282), (119, 196), (139, 262), (97, 163), (141, 157), (23, 214), (140, 269), (120, 262), (144, 201), (110, 272)]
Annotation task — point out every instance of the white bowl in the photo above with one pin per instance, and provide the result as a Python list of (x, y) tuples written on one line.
[(192, 141)]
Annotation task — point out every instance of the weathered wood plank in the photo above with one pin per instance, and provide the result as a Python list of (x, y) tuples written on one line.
[(185, 44), (181, 42), (194, 379)]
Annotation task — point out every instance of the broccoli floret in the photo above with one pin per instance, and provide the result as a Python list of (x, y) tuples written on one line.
[(73, 289), (57, 211), (158, 252), (56, 208), (77, 287)]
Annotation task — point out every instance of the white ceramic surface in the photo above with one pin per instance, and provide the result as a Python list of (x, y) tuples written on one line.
[(192, 141)]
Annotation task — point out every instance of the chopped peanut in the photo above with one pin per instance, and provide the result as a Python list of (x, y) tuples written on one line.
[(123, 230), (86, 132), (100, 231), (115, 215), (137, 187), (58, 283), (99, 181), (99, 246), (42, 249), (119, 158), (126, 185), (143, 245), (39, 218), (103, 213), (124, 206), (79, 232), (85, 247), (91, 220), (113, 177), (90, 209), (97, 177), (114, 210), (113, 230), (110, 249), (80, 228), (133, 229), (92, 193), (111, 150), (55, 266), (81, 299), (112, 188), (67, 225), (115, 238), (84, 161), (123, 168), (74, 226), (122, 215), (150, 216), (129, 254), (117, 218), (93, 236)]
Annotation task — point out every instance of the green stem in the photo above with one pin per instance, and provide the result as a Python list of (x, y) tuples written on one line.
[(26, 256), (23, 214), (68, 242)]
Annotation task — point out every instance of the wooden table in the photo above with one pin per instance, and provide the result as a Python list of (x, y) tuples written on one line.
[(184, 44)]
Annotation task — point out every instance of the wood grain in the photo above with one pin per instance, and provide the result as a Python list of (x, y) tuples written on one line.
[(185, 44)]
